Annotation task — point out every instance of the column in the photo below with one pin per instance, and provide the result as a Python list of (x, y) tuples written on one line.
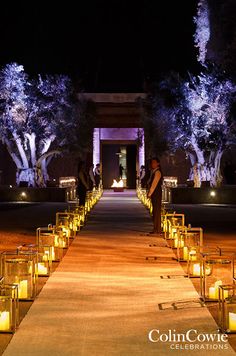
[(96, 146), (141, 152)]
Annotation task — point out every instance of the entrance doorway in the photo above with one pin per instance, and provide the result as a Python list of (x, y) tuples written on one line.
[(119, 160)]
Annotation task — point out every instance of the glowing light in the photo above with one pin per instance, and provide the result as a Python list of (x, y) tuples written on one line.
[(212, 193), (116, 184), (170, 181), (67, 182), (23, 194)]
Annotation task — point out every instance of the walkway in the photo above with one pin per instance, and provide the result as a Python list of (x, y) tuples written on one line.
[(105, 297)]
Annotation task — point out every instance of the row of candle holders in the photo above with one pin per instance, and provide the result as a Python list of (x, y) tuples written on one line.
[(214, 268), (21, 268)]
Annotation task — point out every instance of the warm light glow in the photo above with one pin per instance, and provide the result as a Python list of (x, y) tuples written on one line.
[(42, 269), (212, 193), (23, 289), (116, 184), (170, 181), (23, 194), (4, 321), (232, 321), (67, 182), (197, 269), (185, 253), (214, 291)]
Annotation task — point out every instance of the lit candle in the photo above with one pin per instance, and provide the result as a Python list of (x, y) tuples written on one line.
[(4, 321), (185, 253), (30, 269), (196, 269), (42, 269), (53, 254), (232, 321), (23, 289), (226, 294), (66, 231), (56, 237), (173, 233), (178, 242), (164, 226), (214, 291), (46, 256), (175, 243), (193, 255), (62, 243)]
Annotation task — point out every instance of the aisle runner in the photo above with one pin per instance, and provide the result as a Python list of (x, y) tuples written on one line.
[(105, 297)]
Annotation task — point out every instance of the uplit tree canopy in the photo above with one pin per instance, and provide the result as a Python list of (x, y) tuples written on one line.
[(207, 126), (35, 114), (196, 116), (202, 33)]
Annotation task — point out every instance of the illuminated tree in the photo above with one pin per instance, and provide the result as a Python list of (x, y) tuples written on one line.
[(207, 127), (195, 116), (34, 116)]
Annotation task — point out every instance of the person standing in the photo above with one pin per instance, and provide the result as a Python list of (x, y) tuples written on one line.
[(142, 176), (121, 169), (155, 193), (92, 182), (82, 182), (97, 175)]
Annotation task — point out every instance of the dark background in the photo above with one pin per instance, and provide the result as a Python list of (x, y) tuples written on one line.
[(106, 46)]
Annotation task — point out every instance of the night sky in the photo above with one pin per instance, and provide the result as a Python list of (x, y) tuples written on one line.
[(105, 46)]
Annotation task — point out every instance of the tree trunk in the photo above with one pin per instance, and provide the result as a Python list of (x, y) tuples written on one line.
[(26, 175), (32, 137), (41, 166), (216, 177), (192, 158)]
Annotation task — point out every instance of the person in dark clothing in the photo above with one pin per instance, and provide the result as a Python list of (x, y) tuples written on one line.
[(82, 182), (142, 176), (97, 175), (92, 182), (121, 169), (155, 193)]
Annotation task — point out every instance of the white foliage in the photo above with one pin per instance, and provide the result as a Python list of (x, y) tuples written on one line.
[(202, 34)]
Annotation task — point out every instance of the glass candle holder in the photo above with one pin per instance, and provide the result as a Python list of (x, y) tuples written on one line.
[(170, 223), (78, 213), (65, 223), (19, 269), (221, 274), (227, 308), (7, 315), (11, 290), (195, 266), (61, 240), (191, 244), (45, 237), (76, 222), (81, 211), (44, 258), (177, 240)]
